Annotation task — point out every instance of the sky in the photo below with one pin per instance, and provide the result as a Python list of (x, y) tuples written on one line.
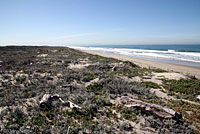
[(88, 22)]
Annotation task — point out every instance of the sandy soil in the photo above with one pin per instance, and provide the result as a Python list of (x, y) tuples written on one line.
[(186, 70)]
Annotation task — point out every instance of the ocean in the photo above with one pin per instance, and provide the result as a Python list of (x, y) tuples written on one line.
[(177, 54)]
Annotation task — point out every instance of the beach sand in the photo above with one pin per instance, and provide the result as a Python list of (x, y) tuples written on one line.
[(186, 70)]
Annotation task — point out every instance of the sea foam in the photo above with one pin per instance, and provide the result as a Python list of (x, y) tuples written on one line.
[(158, 55)]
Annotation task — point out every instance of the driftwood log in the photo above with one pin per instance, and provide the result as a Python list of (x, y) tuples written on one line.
[(47, 99), (157, 110)]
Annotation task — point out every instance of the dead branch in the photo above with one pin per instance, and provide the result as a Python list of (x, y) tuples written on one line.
[(162, 112)]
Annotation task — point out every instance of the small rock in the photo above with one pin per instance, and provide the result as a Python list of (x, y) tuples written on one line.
[(198, 97), (49, 78), (28, 127)]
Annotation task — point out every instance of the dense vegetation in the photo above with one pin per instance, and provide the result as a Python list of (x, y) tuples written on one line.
[(94, 83), (188, 88)]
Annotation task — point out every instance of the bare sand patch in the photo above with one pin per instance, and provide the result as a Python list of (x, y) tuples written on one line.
[(91, 82), (42, 55), (169, 75), (156, 77), (78, 66)]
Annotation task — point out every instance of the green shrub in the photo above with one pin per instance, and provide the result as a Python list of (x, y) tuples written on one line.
[(96, 88), (183, 86), (158, 70), (129, 114), (131, 64), (149, 84), (38, 120), (88, 76)]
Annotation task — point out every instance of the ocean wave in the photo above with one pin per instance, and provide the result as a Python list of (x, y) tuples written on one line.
[(171, 50), (156, 54)]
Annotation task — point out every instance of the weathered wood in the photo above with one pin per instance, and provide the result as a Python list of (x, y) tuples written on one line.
[(46, 101), (72, 105), (162, 112)]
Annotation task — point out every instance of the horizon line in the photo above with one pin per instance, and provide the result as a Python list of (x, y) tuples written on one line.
[(89, 44)]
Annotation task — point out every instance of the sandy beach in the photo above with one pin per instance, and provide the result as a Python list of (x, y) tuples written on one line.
[(186, 70)]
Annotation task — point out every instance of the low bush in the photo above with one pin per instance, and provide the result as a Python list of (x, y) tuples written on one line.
[(188, 87)]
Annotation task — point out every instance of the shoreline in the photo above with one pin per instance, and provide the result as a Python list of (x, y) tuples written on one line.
[(186, 70)]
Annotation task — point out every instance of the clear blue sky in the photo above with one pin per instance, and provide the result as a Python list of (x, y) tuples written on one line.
[(100, 21)]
